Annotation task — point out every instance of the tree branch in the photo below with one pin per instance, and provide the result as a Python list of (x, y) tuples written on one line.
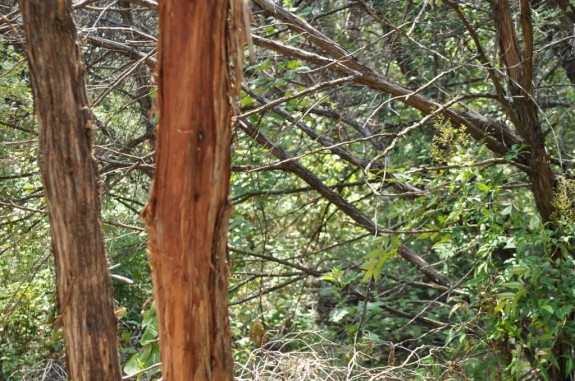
[(496, 136), (342, 204)]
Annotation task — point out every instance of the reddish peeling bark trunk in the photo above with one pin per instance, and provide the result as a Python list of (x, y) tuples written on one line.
[(187, 213), (69, 176)]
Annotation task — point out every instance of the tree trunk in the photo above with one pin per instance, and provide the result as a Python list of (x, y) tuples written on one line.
[(519, 64), (69, 175), (187, 212)]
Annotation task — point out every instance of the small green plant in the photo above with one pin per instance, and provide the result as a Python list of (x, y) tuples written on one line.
[(145, 362)]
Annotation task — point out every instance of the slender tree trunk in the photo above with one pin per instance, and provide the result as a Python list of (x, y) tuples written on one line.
[(187, 212), (69, 176), (519, 64), (518, 60)]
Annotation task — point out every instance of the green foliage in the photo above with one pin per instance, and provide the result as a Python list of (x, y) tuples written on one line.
[(376, 259), (525, 309), (26, 325), (145, 362)]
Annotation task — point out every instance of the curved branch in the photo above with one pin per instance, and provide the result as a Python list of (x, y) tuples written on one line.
[(496, 136)]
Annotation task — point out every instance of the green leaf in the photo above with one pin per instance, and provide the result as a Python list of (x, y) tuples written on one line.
[(305, 12), (337, 315), (499, 307), (519, 270), (150, 335), (569, 365), (368, 275), (370, 265), (545, 337), (547, 308), (132, 366), (506, 295), (507, 211), (483, 187), (376, 253), (293, 64), (514, 285), (553, 360)]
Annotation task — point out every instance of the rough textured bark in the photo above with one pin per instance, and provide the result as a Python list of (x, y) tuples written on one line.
[(187, 212), (518, 63), (69, 176)]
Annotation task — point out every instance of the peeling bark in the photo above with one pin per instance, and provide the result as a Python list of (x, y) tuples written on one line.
[(187, 212), (69, 176)]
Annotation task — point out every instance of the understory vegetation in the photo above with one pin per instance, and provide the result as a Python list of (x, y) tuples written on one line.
[(403, 188)]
